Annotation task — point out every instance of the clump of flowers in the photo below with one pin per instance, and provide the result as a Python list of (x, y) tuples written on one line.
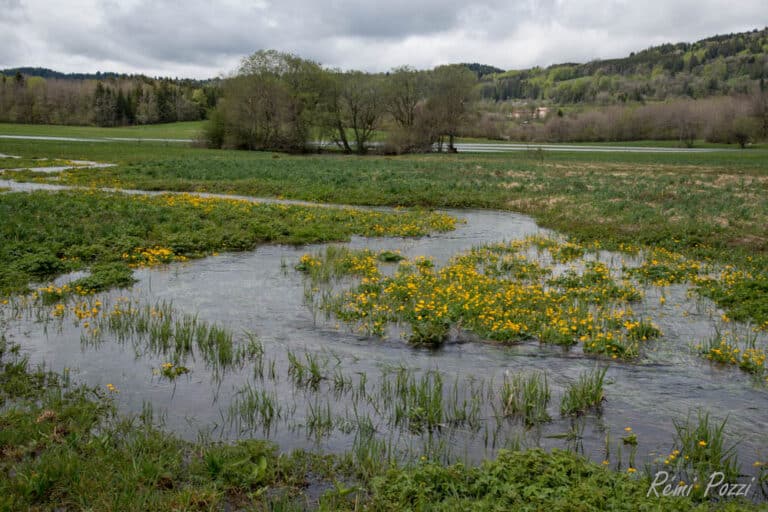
[(663, 267), (171, 371), (151, 256), (745, 355), (494, 291)]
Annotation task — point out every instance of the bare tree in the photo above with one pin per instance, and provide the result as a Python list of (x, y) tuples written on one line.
[(406, 87), (451, 87), (361, 105)]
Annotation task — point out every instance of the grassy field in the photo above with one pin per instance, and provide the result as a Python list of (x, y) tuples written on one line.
[(700, 143), (193, 129), (184, 130)]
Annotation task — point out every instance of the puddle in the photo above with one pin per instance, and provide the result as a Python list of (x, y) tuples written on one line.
[(73, 164)]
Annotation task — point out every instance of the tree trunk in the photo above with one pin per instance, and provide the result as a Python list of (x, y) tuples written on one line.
[(343, 137)]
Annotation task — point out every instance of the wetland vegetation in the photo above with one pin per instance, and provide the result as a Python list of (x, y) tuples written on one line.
[(43, 241), (647, 240)]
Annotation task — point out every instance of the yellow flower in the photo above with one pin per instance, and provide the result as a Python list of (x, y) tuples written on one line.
[(702, 443), (631, 470), (628, 429)]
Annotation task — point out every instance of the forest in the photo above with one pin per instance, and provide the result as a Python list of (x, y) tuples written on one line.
[(102, 100)]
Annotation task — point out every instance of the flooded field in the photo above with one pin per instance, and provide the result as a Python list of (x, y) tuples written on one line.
[(263, 359)]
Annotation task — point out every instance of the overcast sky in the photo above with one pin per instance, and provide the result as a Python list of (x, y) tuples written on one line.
[(201, 39)]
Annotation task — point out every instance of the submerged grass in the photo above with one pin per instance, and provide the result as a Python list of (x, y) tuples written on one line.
[(526, 396), (156, 329), (584, 394), (64, 445)]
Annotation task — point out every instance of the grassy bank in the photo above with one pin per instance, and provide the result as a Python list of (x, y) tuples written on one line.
[(64, 446), (57, 232), (182, 130)]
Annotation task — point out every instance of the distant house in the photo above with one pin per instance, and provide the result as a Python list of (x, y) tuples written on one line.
[(526, 114)]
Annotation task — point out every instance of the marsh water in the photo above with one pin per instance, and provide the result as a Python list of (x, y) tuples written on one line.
[(260, 293)]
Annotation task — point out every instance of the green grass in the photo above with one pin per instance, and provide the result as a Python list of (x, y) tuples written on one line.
[(523, 481), (192, 129), (526, 396), (702, 448), (56, 232), (63, 446), (700, 143), (181, 130), (584, 394), (24, 163)]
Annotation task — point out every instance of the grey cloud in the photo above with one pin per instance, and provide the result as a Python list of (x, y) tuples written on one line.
[(191, 32), (12, 11), (8, 6), (209, 38)]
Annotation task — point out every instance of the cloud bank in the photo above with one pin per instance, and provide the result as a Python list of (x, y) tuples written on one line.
[(193, 38)]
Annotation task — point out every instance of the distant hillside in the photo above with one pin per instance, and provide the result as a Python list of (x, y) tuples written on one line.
[(50, 73), (481, 69), (724, 64), (53, 74)]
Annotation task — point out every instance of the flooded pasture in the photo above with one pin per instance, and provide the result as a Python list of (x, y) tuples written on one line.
[(305, 379)]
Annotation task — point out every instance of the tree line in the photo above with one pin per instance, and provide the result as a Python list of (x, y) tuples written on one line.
[(738, 119), (278, 101), (281, 102), (113, 101)]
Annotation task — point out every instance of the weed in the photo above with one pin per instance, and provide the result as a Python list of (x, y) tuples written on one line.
[(584, 394), (526, 396)]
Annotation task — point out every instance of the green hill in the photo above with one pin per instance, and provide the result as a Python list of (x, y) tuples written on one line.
[(724, 64)]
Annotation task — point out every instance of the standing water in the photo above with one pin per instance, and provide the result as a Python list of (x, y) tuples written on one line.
[(305, 380)]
